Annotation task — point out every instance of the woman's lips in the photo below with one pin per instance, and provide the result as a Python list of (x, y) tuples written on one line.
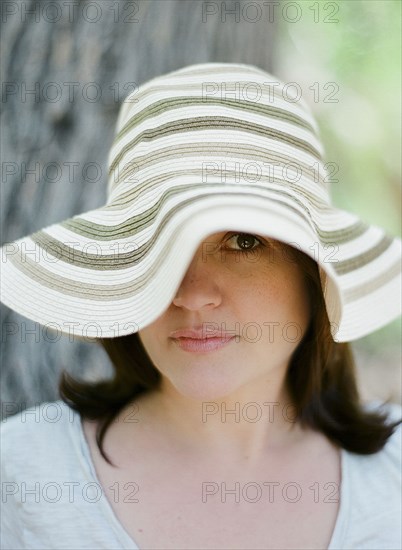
[(198, 345), (208, 330)]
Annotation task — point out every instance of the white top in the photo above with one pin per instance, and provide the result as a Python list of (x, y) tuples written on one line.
[(52, 497)]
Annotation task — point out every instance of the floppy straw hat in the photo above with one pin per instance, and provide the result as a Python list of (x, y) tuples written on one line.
[(207, 148)]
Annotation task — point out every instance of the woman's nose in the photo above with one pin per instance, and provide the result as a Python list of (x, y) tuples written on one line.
[(198, 289)]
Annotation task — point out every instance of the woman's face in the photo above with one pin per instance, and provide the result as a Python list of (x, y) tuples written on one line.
[(243, 284)]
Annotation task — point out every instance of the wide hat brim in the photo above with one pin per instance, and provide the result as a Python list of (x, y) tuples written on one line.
[(114, 270), (75, 283)]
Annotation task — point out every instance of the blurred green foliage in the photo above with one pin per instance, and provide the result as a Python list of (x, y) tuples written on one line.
[(361, 54)]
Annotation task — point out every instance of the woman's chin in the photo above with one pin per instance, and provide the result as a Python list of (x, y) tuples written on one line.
[(205, 389)]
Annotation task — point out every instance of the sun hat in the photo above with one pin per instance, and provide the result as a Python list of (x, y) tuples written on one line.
[(206, 148)]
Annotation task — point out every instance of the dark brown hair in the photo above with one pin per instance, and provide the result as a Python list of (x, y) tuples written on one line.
[(321, 381)]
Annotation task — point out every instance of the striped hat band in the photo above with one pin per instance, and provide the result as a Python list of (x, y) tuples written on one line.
[(210, 147)]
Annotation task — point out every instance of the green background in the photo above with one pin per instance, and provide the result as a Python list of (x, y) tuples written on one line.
[(361, 132)]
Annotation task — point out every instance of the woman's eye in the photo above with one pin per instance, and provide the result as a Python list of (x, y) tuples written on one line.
[(244, 241)]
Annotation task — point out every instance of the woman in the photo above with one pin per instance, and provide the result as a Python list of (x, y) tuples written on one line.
[(225, 288)]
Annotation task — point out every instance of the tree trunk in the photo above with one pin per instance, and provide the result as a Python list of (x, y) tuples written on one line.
[(66, 66)]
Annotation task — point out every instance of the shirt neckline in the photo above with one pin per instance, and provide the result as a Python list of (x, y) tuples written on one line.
[(337, 533), (84, 454)]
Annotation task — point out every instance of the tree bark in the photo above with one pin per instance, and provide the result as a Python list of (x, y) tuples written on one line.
[(66, 66)]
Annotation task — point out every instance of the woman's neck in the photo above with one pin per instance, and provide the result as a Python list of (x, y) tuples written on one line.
[(246, 424)]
